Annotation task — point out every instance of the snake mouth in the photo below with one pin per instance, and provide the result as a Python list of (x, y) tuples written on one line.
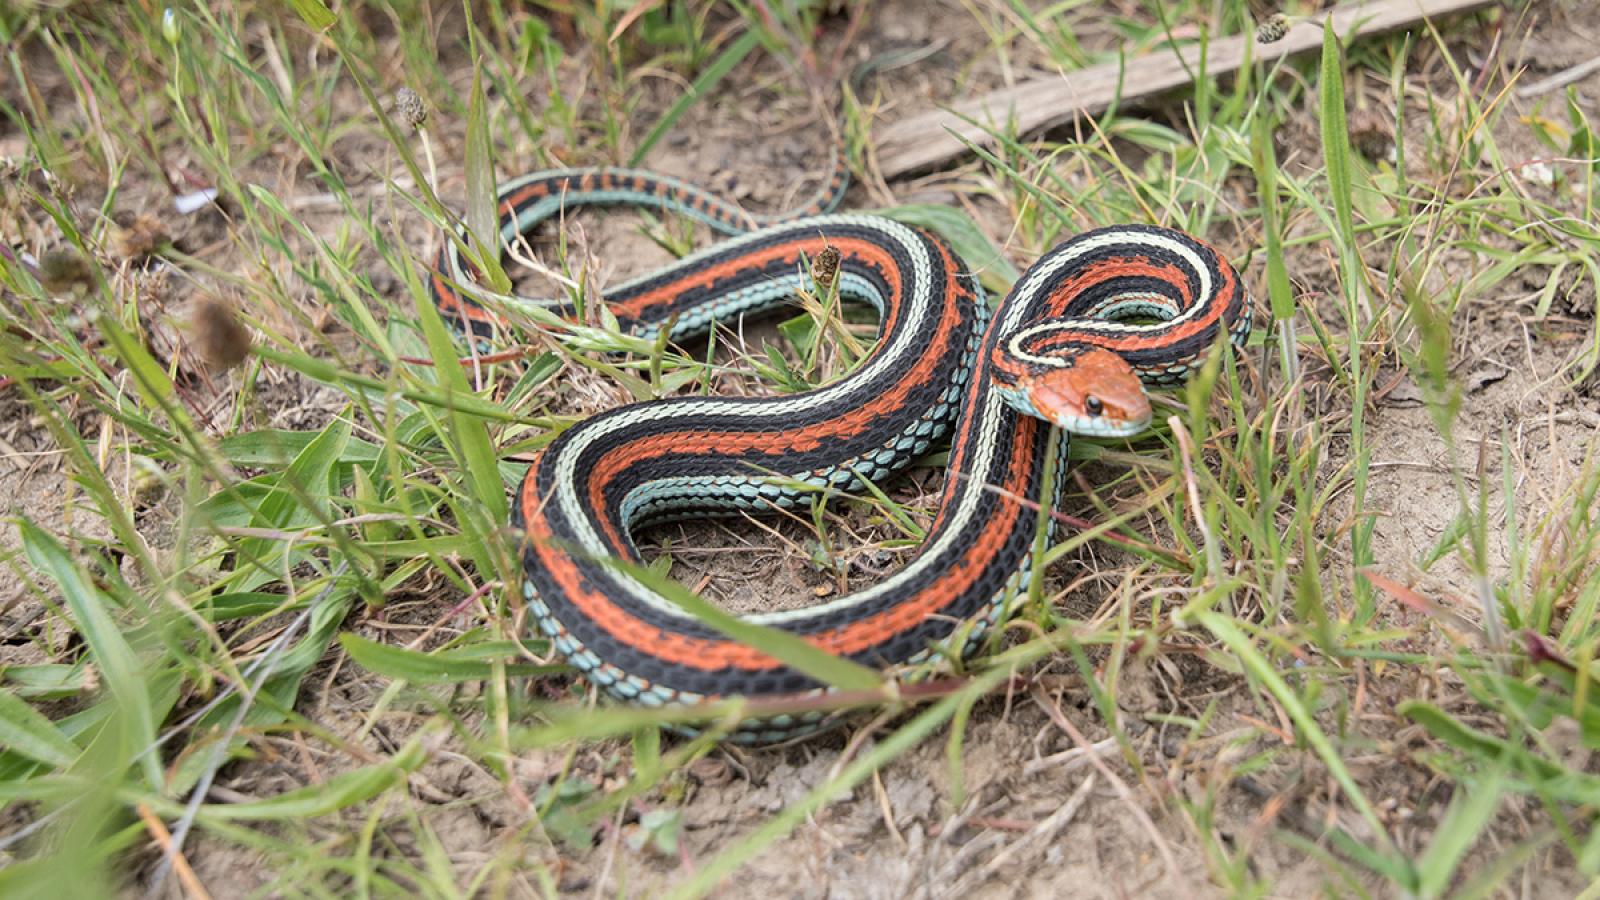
[(1099, 395)]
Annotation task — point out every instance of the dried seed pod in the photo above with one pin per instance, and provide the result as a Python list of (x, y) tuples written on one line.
[(825, 268), (66, 271), (137, 239), (410, 107), (1273, 29), (223, 341)]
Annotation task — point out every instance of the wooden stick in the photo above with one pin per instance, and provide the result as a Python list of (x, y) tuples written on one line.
[(186, 877), (936, 136)]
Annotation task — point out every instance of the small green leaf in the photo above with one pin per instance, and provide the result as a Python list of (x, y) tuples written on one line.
[(271, 447), (47, 681), (801, 331), (1444, 727), (314, 13), (1582, 145), (298, 499), (560, 811), (305, 479), (242, 604), (658, 829), (535, 42), (974, 248)]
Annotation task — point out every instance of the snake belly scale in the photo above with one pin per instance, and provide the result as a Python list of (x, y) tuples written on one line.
[(1072, 345)]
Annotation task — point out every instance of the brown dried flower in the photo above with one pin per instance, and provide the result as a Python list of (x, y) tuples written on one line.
[(138, 239), (411, 108), (825, 268), (223, 341), (1273, 29)]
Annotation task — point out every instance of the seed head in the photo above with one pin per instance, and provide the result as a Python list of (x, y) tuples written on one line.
[(825, 268), (1273, 29), (65, 271), (411, 108), (138, 238), (221, 338)]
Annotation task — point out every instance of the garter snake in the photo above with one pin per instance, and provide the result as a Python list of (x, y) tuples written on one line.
[(1074, 343)]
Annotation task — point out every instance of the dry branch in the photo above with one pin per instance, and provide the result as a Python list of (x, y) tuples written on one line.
[(936, 136)]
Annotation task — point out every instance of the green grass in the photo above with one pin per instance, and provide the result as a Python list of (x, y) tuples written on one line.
[(271, 615)]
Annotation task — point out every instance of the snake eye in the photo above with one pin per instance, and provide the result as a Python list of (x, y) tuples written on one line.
[(1093, 406)]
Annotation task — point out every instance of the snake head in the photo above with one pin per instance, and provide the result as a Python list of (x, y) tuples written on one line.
[(1099, 395)]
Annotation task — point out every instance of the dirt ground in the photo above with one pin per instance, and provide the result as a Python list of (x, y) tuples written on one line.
[(1042, 818)]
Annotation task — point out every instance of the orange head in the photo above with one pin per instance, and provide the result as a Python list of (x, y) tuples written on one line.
[(1099, 395)]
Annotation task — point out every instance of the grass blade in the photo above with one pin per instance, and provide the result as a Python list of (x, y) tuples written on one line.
[(713, 74), (442, 667), (972, 246), (1336, 132), (343, 790), (483, 211), (1470, 811), (26, 731), (315, 14), (120, 668), (1225, 630), (792, 650)]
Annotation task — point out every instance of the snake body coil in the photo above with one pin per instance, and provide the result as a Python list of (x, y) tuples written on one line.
[(1071, 345)]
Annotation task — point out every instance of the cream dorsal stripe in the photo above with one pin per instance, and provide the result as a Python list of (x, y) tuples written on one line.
[(1198, 270)]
